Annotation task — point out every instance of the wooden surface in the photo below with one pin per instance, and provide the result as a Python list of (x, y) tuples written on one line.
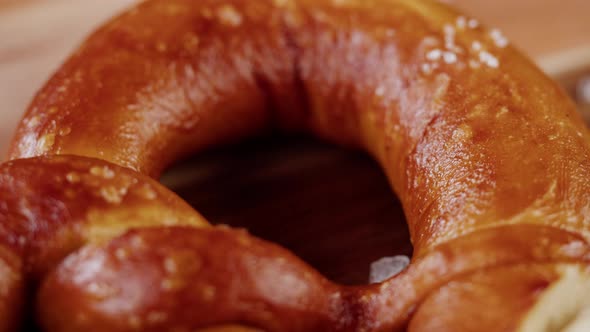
[(332, 207)]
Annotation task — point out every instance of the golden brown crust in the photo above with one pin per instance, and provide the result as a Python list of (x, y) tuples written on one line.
[(12, 289), (507, 298), (183, 278), (467, 114), (274, 295), (490, 300), (54, 205), (486, 153)]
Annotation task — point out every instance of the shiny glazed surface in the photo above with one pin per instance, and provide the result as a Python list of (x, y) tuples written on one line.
[(487, 155)]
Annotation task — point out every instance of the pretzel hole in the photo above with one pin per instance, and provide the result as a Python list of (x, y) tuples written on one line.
[(331, 206)]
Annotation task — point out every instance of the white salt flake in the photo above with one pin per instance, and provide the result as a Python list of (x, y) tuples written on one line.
[(461, 22), (229, 16), (427, 68), (476, 46), (434, 55), (380, 91), (449, 30), (488, 59), (450, 57), (499, 39), (387, 267)]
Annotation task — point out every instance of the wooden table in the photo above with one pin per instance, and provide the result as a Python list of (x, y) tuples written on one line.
[(332, 207)]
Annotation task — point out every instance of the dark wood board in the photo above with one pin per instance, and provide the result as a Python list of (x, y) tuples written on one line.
[(331, 206)]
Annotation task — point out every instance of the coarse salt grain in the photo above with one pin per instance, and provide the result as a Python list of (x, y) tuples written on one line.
[(387, 267), (427, 68), (229, 16), (476, 46), (488, 59), (380, 91), (461, 22), (499, 39), (449, 57), (434, 55)]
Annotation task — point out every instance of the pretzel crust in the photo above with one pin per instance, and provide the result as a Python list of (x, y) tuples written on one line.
[(487, 155)]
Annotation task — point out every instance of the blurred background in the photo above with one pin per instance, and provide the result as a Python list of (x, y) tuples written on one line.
[(298, 182), (36, 35)]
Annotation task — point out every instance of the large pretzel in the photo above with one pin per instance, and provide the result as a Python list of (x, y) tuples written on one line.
[(486, 153)]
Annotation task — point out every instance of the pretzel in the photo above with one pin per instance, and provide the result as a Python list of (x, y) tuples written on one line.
[(486, 153)]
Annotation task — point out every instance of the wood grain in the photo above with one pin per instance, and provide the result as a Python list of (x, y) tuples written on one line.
[(332, 207)]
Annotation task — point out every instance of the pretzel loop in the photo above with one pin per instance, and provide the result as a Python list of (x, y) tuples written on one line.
[(487, 155)]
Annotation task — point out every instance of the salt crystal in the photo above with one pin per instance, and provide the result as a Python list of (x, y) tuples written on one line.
[(46, 142), (498, 38), (229, 16), (387, 267), (104, 172), (380, 91), (434, 55), (488, 59), (65, 131), (33, 122), (476, 46), (426, 68), (461, 22), (73, 177), (450, 57), (449, 30), (112, 194)]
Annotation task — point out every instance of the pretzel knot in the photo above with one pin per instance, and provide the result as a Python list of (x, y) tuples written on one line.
[(486, 154)]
